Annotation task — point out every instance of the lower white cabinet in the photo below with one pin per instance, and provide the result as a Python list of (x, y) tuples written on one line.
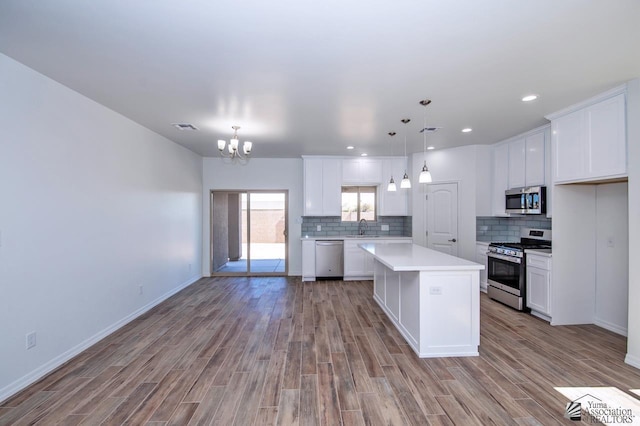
[(358, 264), (481, 258), (539, 285), (309, 260)]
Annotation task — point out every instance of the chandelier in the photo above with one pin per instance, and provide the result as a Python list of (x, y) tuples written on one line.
[(233, 148)]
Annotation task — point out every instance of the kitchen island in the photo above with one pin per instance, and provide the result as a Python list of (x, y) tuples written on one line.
[(432, 298)]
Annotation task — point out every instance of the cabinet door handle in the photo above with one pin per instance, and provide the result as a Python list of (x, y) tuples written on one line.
[(453, 240)]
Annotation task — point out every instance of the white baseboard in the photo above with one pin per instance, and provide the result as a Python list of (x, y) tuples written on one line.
[(56, 362), (611, 327), (632, 360)]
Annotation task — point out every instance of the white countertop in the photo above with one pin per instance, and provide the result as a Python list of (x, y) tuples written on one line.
[(539, 252), (412, 257), (357, 237)]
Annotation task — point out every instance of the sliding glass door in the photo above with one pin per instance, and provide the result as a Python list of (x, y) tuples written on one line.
[(249, 233)]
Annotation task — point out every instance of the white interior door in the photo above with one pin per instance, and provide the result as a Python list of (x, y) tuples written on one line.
[(442, 217)]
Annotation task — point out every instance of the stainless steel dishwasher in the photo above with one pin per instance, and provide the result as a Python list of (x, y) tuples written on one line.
[(329, 258)]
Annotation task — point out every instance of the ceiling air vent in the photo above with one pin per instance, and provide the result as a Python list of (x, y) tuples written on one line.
[(184, 126), (430, 129)]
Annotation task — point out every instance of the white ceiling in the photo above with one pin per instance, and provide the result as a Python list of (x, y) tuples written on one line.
[(304, 77)]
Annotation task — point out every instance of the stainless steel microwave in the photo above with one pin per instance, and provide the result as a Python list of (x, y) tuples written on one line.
[(527, 200)]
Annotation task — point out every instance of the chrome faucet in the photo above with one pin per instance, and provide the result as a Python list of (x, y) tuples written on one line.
[(363, 227)]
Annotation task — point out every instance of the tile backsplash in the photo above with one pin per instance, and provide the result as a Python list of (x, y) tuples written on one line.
[(507, 228), (398, 226)]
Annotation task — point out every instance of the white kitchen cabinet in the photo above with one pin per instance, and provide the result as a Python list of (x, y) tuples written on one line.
[(539, 285), (309, 260), (481, 258), (527, 161), (517, 154), (500, 178), (535, 159), (589, 141), (322, 186), (393, 203), (362, 171), (358, 264), (519, 162)]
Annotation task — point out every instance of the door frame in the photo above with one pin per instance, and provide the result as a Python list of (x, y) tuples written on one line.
[(248, 272)]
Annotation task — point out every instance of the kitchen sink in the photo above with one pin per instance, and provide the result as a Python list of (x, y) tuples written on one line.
[(362, 236)]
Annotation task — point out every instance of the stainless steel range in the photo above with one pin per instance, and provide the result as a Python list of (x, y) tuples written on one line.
[(506, 274)]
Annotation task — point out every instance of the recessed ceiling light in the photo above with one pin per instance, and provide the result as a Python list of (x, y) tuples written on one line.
[(350, 147), (529, 98), (467, 130), (429, 148), (364, 154)]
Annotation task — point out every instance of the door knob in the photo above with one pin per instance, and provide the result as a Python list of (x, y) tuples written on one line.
[(453, 240)]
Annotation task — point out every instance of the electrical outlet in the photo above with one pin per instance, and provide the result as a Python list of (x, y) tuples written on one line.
[(610, 242), (384, 227), (319, 228), (31, 340), (189, 267), (140, 289), (436, 291)]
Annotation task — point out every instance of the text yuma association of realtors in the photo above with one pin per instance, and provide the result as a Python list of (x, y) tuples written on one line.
[(601, 412)]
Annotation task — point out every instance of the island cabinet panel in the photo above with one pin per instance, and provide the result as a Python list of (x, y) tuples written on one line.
[(379, 285), (410, 311), (448, 300), (437, 313), (432, 298), (392, 284)]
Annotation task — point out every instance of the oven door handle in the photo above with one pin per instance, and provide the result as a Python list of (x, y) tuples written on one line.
[(503, 257)]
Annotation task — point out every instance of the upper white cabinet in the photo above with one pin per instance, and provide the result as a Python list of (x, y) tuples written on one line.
[(527, 160), (393, 203), (322, 186), (535, 159), (517, 154), (519, 162), (500, 178), (359, 171), (589, 140)]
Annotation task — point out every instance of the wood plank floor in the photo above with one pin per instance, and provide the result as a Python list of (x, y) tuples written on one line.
[(278, 351)]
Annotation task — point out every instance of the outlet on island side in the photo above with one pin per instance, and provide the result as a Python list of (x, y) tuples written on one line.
[(140, 289), (31, 340)]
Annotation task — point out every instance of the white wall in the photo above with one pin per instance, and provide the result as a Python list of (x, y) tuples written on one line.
[(259, 173), (92, 206), (633, 140), (453, 165), (612, 257)]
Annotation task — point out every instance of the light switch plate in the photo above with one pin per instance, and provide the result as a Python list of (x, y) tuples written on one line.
[(319, 228), (384, 227)]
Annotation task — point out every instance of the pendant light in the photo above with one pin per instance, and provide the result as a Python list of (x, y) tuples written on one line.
[(405, 183), (425, 174), (392, 184)]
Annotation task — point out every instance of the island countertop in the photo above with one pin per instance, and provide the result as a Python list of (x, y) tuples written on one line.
[(412, 257)]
